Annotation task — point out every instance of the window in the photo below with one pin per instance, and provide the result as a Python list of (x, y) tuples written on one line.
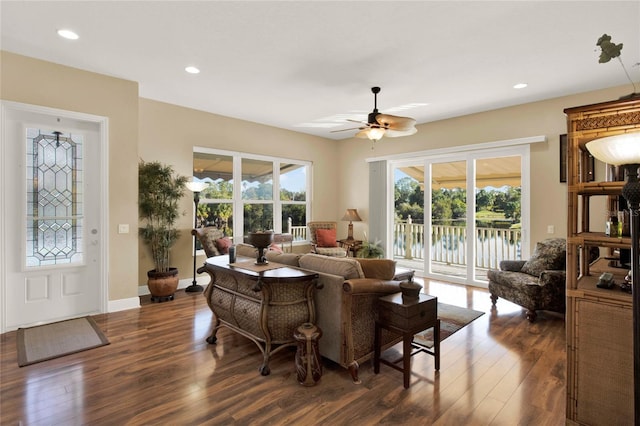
[(248, 193), (293, 198)]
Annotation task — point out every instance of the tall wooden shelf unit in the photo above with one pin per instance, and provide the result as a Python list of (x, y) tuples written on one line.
[(598, 321)]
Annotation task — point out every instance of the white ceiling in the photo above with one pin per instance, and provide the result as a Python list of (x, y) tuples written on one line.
[(298, 64)]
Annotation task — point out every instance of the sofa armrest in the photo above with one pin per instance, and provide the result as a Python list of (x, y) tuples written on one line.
[(370, 285), (550, 277), (512, 265)]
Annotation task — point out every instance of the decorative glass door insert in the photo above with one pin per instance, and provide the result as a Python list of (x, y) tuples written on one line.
[(54, 194)]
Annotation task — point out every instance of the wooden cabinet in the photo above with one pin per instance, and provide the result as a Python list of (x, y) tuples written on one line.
[(263, 303), (599, 321)]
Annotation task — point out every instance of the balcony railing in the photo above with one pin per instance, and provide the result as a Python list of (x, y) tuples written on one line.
[(299, 233), (449, 244)]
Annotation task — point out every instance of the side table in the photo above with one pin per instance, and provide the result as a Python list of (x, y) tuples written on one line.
[(352, 246), (407, 317)]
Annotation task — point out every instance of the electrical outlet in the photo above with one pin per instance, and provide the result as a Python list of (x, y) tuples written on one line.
[(551, 229), (123, 228)]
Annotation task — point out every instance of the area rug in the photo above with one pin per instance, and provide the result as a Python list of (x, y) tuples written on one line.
[(44, 342), (452, 319)]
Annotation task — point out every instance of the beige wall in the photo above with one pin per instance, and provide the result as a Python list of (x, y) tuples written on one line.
[(548, 195), (150, 130), (36, 82), (168, 134)]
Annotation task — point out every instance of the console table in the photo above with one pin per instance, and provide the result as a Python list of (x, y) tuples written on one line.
[(265, 306)]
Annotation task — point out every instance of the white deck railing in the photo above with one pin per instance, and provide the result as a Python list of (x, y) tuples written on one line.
[(449, 243)]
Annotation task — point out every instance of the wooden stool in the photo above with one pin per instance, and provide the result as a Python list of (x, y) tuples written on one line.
[(308, 363)]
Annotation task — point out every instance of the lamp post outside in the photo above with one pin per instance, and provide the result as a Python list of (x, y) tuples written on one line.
[(196, 187)]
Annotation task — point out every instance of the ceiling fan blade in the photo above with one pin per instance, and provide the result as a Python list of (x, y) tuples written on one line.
[(344, 130), (395, 122), (391, 133)]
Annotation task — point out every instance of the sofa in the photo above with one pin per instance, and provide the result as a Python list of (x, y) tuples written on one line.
[(345, 302), (535, 284)]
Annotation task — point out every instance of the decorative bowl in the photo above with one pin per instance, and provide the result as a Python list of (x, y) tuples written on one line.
[(410, 290), (261, 241)]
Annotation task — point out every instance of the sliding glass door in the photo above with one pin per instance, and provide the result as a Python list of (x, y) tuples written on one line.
[(458, 215), (448, 219)]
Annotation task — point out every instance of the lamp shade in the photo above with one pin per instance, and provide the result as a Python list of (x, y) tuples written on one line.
[(196, 186), (352, 215), (617, 150)]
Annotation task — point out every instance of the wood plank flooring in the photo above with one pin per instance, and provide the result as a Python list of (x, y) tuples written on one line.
[(158, 369)]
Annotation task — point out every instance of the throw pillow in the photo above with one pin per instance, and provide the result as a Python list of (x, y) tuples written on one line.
[(326, 238), (550, 254), (382, 269), (275, 247), (223, 244)]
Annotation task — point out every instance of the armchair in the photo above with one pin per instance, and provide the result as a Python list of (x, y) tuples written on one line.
[(212, 240), (535, 284), (323, 239)]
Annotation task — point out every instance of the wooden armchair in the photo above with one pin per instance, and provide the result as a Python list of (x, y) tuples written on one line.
[(324, 242)]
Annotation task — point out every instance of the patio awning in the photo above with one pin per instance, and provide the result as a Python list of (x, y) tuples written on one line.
[(494, 172), (214, 167)]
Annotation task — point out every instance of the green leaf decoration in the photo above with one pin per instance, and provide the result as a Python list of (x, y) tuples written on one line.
[(609, 50)]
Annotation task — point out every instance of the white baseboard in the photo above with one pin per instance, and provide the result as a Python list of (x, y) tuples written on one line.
[(123, 304), (143, 290)]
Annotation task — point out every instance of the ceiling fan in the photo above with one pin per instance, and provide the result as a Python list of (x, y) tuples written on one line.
[(379, 125)]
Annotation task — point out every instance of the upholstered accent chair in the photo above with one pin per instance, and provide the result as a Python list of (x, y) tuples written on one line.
[(535, 284), (322, 235), (212, 239)]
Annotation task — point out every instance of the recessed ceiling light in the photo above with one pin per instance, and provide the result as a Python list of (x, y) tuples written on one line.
[(192, 70), (520, 85), (68, 34)]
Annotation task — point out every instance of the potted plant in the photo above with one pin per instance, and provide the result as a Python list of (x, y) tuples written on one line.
[(159, 192), (371, 250)]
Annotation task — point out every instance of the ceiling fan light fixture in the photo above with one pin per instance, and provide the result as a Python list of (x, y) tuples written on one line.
[(379, 125), (375, 133)]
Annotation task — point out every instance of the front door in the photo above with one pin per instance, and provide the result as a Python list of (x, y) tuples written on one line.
[(53, 245)]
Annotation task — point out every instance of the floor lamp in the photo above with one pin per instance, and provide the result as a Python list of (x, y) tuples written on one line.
[(624, 150), (196, 187)]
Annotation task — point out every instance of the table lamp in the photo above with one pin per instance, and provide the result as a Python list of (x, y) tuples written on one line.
[(624, 150), (352, 216)]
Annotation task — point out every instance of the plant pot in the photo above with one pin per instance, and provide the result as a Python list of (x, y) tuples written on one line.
[(162, 285)]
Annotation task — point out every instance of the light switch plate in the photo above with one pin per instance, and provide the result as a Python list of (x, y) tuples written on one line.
[(123, 228)]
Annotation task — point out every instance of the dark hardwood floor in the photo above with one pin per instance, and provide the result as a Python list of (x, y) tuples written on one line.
[(158, 369)]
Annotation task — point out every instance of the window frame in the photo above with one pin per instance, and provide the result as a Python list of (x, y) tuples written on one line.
[(237, 200)]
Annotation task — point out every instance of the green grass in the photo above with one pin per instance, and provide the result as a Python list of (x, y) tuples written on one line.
[(488, 215)]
